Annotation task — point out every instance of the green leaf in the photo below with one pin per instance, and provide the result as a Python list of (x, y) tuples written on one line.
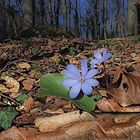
[(51, 86), (7, 115), (21, 98), (97, 97)]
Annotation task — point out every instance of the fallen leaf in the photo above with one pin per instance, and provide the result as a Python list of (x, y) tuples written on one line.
[(56, 57), (28, 104), (122, 119), (25, 118), (28, 84), (102, 92), (19, 134), (24, 65), (3, 89), (34, 74), (11, 86), (20, 78), (117, 74), (109, 105), (58, 111), (126, 91), (53, 123), (7, 115)]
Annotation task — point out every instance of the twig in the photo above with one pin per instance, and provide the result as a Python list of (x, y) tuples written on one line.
[(9, 98)]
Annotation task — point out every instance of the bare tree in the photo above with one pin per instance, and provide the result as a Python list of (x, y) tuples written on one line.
[(28, 13), (42, 10), (76, 19), (104, 19), (50, 12), (56, 12), (64, 10)]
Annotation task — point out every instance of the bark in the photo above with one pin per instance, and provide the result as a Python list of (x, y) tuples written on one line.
[(42, 11), (28, 14), (50, 12), (70, 9), (104, 19), (132, 17), (64, 10), (57, 11), (76, 19)]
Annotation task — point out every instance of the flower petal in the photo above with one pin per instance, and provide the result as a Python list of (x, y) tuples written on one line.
[(87, 90), (91, 73), (92, 82), (94, 63), (98, 55), (69, 83), (84, 67), (75, 90), (106, 55), (74, 69), (70, 75)]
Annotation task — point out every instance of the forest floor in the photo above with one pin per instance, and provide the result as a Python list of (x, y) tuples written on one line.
[(24, 61)]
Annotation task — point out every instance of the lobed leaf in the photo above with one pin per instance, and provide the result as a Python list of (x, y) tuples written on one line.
[(51, 86), (7, 115)]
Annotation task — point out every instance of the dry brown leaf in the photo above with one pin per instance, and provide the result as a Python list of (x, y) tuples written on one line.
[(126, 91), (12, 85), (28, 84), (60, 102), (3, 89), (34, 74), (102, 92), (58, 111), (28, 104), (56, 57), (53, 123), (19, 134), (117, 74), (20, 78), (109, 105), (122, 119), (24, 65), (107, 127)]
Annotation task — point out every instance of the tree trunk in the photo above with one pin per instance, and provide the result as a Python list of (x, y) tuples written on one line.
[(50, 12), (70, 9), (76, 19), (104, 19), (96, 19), (64, 9), (57, 9), (28, 14), (132, 17), (42, 11)]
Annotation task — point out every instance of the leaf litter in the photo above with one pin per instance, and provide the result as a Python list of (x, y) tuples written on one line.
[(23, 67)]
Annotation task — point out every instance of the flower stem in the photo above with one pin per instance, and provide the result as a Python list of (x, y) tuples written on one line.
[(105, 74)]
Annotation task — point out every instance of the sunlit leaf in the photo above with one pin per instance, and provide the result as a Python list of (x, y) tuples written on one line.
[(51, 86)]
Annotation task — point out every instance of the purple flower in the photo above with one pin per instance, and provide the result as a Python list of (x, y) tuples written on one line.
[(78, 81), (99, 58)]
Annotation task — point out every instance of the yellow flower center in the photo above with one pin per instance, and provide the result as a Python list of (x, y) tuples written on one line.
[(82, 80)]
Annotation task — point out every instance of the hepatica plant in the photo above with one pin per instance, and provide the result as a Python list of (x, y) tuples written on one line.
[(100, 58), (75, 84)]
